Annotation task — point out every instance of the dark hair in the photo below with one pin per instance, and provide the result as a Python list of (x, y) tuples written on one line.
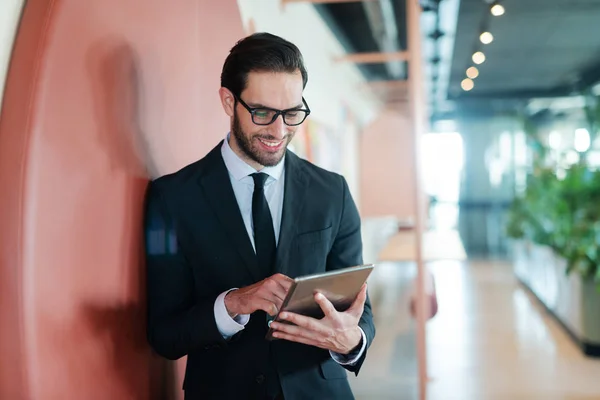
[(260, 52)]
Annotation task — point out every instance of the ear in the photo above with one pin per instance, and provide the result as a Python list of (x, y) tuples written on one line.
[(227, 100)]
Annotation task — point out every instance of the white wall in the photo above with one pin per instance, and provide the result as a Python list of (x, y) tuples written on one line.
[(10, 14), (331, 85), (351, 160)]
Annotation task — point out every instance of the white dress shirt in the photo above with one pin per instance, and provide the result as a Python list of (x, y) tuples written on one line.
[(243, 188)]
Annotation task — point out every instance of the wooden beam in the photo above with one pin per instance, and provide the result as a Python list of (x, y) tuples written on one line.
[(387, 85), (395, 102), (375, 57), (417, 103)]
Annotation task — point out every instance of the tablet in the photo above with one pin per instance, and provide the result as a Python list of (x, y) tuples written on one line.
[(340, 287)]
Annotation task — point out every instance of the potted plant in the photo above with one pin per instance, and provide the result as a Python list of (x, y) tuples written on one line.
[(562, 214)]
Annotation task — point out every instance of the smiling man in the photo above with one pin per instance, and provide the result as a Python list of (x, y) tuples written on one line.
[(226, 235)]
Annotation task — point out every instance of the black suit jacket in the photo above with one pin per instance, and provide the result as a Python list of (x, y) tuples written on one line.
[(197, 247)]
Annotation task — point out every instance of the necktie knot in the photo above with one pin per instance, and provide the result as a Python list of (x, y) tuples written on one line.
[(259, 179)]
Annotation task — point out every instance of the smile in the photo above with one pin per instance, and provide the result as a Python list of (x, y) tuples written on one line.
[(270, 143)]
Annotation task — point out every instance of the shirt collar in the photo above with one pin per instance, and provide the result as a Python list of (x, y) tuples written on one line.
[(238, 167)]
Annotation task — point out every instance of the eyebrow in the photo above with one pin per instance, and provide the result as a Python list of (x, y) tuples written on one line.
[(258, 105)]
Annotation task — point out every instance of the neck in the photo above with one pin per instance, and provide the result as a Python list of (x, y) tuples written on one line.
[(236, 149)]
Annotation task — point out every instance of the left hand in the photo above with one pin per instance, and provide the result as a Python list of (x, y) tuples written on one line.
[(336, 331)]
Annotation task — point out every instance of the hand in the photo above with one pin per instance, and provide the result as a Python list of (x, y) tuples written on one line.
[(266, 295), (336, 331)]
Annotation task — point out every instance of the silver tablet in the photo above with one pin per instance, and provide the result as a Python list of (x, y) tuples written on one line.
[(340, 287)]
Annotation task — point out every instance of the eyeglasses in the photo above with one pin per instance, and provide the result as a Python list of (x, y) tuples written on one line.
[(266, 116)]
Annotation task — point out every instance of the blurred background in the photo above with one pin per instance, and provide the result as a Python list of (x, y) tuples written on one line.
[(466, 129)]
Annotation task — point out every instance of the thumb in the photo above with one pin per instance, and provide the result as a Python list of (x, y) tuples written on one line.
[(328, 308), (359, 302)]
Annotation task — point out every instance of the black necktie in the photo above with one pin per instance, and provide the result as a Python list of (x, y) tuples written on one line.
[(264, 235)]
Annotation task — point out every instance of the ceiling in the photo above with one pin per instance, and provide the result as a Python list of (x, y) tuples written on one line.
[(350, 23), (541, 49), (360, 32)]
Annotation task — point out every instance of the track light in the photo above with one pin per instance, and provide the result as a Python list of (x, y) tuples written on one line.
[(472, 72), (486, 38), (467, 84), (436, 34), (497, 10), (478, 58)]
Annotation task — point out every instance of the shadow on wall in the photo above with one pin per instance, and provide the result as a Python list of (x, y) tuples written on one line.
[(117, 83), (117, 86)]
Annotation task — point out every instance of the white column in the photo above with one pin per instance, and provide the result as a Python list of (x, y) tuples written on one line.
[(10, 15)]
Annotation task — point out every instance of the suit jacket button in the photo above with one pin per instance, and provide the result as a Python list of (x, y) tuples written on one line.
[(260, 379)]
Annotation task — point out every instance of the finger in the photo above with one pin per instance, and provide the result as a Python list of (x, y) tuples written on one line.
[(267, 306), (282, 277), (296, 331), (309, 323), (359, 302), (271, 288), (284, 281), (325, 305), (297, 339), (272, 298)]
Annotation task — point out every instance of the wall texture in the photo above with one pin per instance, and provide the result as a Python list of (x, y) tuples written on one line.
[(387, 181), (99, 96)]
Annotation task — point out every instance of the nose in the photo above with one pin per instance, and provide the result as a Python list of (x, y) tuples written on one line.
[(278, 127)]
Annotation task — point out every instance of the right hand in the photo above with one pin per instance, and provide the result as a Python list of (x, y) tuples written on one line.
[(266, 295)]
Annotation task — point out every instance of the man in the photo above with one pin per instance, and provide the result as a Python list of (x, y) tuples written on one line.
[(226, 235)]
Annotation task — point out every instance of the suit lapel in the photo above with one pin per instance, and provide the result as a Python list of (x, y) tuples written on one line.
[(217, 188), (296, 183)]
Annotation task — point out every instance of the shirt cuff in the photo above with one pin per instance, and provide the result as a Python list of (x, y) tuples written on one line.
[(353, 357), (226, 325)]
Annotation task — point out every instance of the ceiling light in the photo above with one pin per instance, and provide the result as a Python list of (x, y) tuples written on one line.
[(582, 140), (497, 10), (554, 140), (478, 58), (486, 38), (572, 157), (472, 72), (467, 84)]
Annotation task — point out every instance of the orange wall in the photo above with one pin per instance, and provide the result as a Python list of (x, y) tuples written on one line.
[(98, 95), (386, 166)]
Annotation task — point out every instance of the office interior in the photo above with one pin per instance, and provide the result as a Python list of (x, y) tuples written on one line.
[(466, 130)]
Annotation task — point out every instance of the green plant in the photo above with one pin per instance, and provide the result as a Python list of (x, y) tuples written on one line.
[(535, 143), (563, 212), (591, 111), (564, 215)]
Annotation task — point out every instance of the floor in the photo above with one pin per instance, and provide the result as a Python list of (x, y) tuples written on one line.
[(489, 341)]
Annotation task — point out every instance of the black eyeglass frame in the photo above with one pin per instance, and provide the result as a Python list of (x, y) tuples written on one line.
[(253, 110)]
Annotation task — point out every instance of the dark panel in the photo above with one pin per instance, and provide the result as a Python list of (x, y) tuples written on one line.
[(349, 23), (400, 13)]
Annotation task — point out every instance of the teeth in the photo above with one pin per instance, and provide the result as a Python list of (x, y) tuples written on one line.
[(270, 144)]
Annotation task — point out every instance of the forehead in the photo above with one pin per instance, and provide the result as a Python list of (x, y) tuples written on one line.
[(276, 89)]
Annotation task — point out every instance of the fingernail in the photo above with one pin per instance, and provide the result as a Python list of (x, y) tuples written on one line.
[(283, 315), (320, 296)]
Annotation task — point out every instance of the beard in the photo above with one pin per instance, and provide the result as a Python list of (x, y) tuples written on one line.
[(252, 150)]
